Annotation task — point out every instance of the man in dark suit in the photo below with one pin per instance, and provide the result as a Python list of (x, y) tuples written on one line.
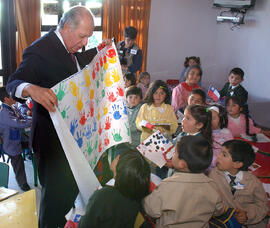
[(46, 62)]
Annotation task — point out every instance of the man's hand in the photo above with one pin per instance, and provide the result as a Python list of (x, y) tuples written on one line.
[(241, 216), (43, 96)]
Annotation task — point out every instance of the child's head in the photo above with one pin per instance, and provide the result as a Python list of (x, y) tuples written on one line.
[(219, 117), (192, 60), (193, 75), (157, 93), (233, 106), (198, 118), (129, 79), (235, 155), (134, 96), (194, 153), (197, 96), (144, 78), (5, 98), (132, 175), (236, 76)]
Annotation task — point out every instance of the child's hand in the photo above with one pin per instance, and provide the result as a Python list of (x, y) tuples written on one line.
[(241, 216), (114, 164)]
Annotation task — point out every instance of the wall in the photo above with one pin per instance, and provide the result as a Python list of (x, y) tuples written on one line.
[(180, 28)]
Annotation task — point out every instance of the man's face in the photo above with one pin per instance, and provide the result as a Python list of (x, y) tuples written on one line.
[(76, 38), (129, 42), (235, 79)]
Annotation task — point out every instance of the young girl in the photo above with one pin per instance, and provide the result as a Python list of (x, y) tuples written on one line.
[(129, 79), (144, 79), (238, 122), (197, 120), (118, 206), (189, 61), (181, 92), (220, 133), (157, 111)]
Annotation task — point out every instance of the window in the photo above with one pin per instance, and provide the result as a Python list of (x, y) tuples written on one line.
[(52, 10)]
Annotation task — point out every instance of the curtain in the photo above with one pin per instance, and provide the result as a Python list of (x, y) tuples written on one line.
[(28, 24), (119, 14)]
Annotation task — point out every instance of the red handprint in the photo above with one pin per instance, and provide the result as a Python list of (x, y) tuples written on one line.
[(111, 97), (106, 140), (97, 65), (120, 91), (91, 108), (83, 119), (99, 129), (100, 62), (111, 53), (93, 74), (99, 146), (108, 123), (104, 59)]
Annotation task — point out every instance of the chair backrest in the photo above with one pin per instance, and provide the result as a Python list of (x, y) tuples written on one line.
[(4, 174)]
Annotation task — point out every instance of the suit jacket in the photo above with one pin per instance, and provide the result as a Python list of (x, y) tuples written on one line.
[(251, 199), (45, 63), (238, 91), (184, 200)]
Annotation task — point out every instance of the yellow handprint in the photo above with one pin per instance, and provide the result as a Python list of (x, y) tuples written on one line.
[(115, 75), (92, 94), (79, 104), (87, 78), (106, 65), (105, 109), (74, 89), (112, 60), (98, 115), (107, 80)]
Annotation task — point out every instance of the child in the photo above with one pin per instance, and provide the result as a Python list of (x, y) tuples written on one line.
[(240, 189), (157, 111), (144, 79), (189, 61), (220, 133), (238, 122), (118, 206), (181, 92), (186, 199), (234, 88), (197, 120), (129, 79), (11, 124)]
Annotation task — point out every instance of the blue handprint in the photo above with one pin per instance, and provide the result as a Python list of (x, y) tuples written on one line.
[(73, 126), (88, 132), (79, 139), (116, 114), (125, 108), (95, 125)]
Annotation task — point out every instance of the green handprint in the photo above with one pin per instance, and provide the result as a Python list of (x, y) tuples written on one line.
[(127, 127), (96, 143), (97, 101), (103, 93), (61, 92), (116, 136), (89, 147), (102, 73), (97, 84), (64, 112)]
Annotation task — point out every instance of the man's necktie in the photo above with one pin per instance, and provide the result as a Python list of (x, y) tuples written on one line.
[(73, 58), (232, 184)]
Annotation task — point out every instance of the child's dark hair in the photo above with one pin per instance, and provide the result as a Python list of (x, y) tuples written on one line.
[(3, 93), (196, 59), (241, 151), (143, 74), (134, 90), (196, 151), (131, 77), (237, 101), (202, 115), (200, 92), (132, 175), (237, 71), (193, 67), (154, 86), (222, 114)]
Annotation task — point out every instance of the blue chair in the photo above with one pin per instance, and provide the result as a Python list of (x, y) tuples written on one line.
[(4, 174)]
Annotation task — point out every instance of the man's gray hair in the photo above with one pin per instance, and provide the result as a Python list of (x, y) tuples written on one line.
[(73, 16)]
